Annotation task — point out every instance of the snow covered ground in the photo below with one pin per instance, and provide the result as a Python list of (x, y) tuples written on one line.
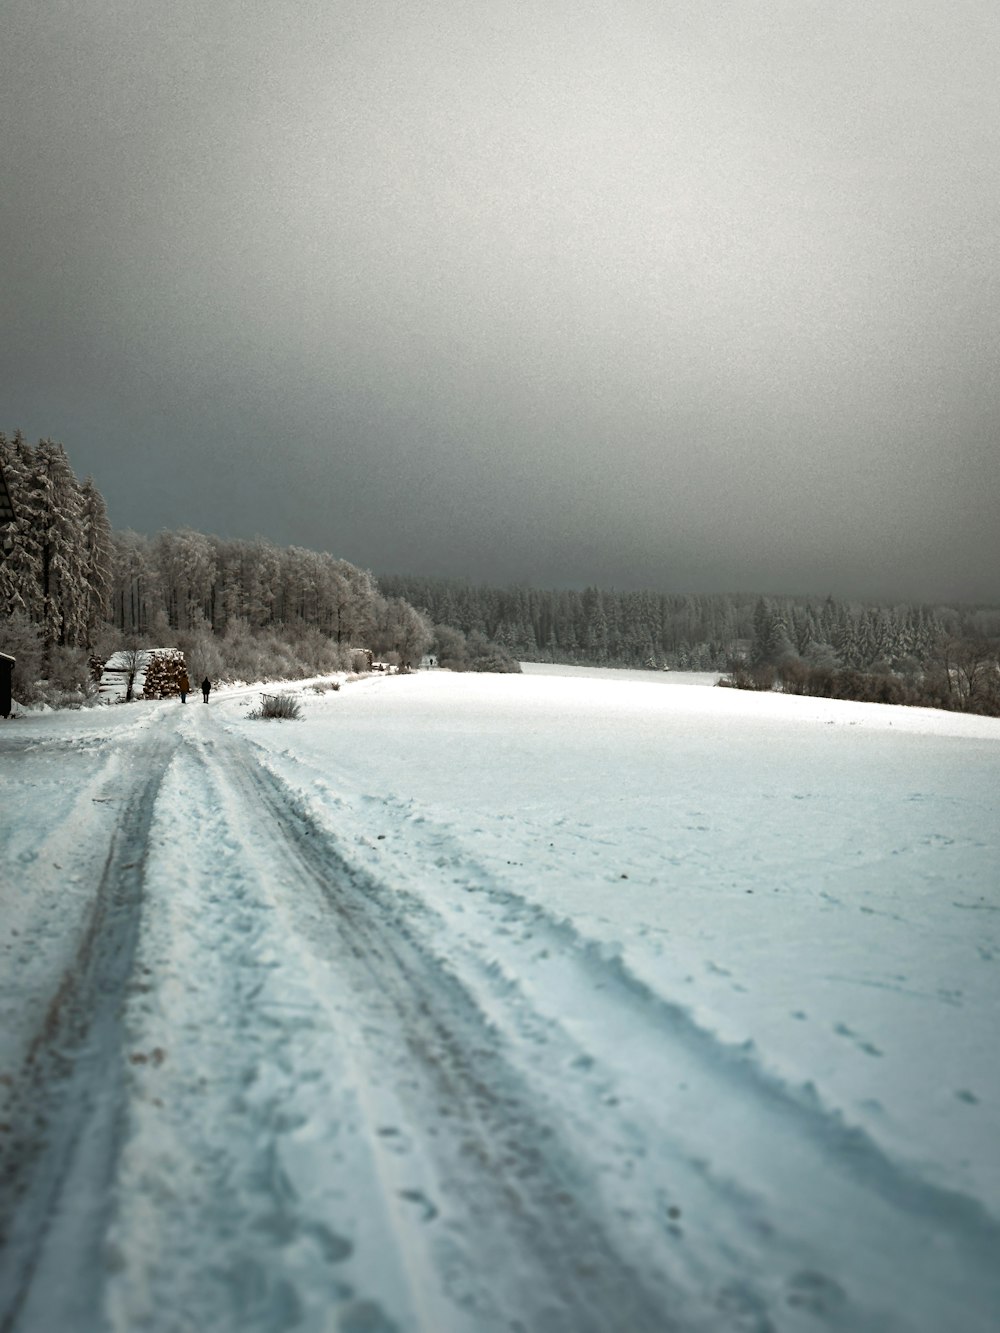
[(572, 1001)]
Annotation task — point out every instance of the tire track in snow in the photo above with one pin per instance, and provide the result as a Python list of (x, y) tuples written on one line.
[(214, 1228), (795, 1212), (490, 1210), (66, 1103)]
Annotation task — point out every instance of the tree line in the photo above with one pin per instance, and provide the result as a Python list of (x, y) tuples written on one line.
[(75, 590), (939, 656), (602, 627)]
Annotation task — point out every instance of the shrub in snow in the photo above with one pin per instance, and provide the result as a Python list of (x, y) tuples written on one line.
[(976, 690), (500, 660), (456, 652), (22, 640), (276, 705), (67, 681), (742, 676)]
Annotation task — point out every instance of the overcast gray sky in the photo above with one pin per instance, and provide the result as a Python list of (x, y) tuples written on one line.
[(698, 296)]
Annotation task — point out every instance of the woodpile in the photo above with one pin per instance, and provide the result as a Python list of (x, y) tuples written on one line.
[(164, 673)]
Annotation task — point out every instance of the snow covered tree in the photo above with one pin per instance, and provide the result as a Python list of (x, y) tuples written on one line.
[(98, 555), (134, 583), (63, 569), (449, 644), (20, 572), (771, 639), (186, 564), (403, 631)]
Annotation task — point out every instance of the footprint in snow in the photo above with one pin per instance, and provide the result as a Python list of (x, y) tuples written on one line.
[(869, 1047), (428, 1211), (815, 1292), (396, 1141), (335, 1249), (745, 1306), (362, 1317)]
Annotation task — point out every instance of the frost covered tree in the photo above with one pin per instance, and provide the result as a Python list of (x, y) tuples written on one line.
[(134, 583), (771, 638), (449, 644), (403, 631), (60, 514), (45, 576), (354, 596), (185, 562), (98, 555), (21, 571)]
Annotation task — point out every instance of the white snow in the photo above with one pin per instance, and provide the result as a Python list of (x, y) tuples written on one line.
[(569, 1000)]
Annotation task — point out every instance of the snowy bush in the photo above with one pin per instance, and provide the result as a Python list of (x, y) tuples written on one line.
[(475, 652), (499, 661), (22, 640), (969, 684), (742, 676), (65, 680), (276, 705)]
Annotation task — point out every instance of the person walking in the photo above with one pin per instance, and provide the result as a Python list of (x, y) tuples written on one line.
[(206, 686), (185, 687)]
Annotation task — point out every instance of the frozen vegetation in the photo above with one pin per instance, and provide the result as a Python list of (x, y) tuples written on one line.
[(574, 1001)]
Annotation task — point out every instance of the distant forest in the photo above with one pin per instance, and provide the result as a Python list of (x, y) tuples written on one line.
[(905, 653), (73, 590), (599, 627)]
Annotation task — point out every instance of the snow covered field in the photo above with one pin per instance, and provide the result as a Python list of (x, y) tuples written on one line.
[(572, 1001)]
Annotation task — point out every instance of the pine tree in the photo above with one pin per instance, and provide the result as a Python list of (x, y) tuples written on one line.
[(21, 572), (771, 638), (57, 510)]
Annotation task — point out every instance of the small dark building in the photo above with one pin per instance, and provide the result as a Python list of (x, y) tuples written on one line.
[(6, 671)]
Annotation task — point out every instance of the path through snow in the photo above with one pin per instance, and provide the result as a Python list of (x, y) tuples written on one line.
[(289, 1077)]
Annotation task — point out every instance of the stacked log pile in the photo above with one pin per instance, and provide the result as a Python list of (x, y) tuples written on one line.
[(163, 673)]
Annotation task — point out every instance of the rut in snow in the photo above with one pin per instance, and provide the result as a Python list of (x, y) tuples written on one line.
[(797, 1206), (66, 1106), (488, 1219), (279, 1092)]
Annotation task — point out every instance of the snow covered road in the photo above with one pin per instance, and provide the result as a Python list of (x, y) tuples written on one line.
[(284, 1047)]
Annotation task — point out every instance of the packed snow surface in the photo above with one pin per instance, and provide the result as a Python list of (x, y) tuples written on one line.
[(575, 1001)]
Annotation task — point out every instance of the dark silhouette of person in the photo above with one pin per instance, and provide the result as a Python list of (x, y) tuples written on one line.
[(206, 685)]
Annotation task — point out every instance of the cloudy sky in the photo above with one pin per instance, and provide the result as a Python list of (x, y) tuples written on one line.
[(700, 295)]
